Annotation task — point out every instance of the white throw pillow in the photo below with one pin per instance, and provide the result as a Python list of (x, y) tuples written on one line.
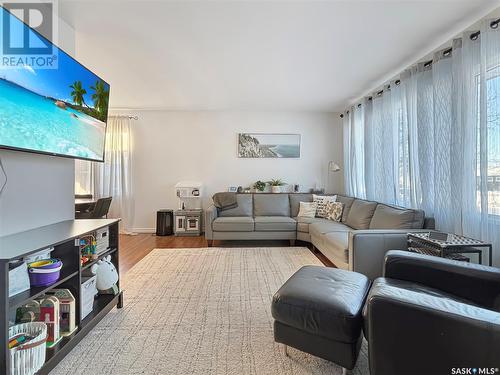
[(322, 200), (334, 211), (307, 209)]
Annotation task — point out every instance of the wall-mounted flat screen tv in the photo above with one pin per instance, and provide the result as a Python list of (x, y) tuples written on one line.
[(60, 111)]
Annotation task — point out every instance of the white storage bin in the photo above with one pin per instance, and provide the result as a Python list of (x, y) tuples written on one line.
[(27, 359), (19, 280), (102, 240), (88, 292), (40, 255)]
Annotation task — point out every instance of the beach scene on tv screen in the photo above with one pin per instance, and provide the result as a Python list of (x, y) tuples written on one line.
[(59, 111)]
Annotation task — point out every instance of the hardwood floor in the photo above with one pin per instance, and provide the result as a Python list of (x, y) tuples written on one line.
[(134, 248)]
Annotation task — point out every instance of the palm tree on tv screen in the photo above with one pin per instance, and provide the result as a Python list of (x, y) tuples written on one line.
[(100, 97), (78, 93)]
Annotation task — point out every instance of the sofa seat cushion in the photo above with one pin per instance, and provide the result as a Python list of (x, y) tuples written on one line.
[(337, 243), (326, 226), (233, 224), (304, 222), (275, 224), (271, 205), (361, 213), (244, 208), (415, 288), (390, 217), (323, 301)]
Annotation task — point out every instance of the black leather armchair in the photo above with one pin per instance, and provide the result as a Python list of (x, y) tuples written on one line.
[(430, 315)]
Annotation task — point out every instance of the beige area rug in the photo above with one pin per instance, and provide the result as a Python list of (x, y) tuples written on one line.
[(199, 311)]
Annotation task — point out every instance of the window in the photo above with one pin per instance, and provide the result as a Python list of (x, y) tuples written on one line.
[(83, 177), (403, 159), (493, 140)]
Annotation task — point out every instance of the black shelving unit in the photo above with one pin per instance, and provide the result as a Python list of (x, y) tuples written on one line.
[(64, 238)]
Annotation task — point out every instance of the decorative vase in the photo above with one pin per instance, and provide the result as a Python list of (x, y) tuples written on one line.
[(276, 189)]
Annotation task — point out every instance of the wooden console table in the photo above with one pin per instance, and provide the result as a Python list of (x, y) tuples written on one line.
[(64, 238)]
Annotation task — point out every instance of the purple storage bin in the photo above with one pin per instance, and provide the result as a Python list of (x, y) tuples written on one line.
[(45, 275)]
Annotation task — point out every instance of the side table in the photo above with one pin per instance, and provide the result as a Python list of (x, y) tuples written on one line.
[(454, 245)]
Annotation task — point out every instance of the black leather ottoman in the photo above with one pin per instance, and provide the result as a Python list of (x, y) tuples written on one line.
[(318, 311)]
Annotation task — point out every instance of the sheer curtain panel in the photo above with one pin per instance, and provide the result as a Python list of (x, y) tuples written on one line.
[(431, 139), (113, 178), (354, 128)]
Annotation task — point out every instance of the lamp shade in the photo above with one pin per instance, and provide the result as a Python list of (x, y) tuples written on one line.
[(333, 167)]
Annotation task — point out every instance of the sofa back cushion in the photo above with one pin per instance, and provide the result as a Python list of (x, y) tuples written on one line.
[(271, 205), (389, 217), (245, 207), (346, 203), (295, 200), (361, 213)]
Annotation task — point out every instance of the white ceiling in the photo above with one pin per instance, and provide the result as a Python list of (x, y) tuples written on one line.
[(257, 55)]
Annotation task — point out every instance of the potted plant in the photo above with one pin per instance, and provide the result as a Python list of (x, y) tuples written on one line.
[(276, 185), (259, 186)]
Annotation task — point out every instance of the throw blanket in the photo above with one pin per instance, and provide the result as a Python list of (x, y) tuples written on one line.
[(225, 201)]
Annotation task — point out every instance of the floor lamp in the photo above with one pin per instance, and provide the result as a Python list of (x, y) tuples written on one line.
[(332, 167)]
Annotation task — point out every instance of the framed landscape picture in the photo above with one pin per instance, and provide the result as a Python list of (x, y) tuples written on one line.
[(261, 145)]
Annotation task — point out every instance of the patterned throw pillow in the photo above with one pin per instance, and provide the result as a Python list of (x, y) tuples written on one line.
[(334, 211), (322, 200), (307, 209)]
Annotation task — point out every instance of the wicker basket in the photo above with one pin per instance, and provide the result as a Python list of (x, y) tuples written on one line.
[(27, 359)]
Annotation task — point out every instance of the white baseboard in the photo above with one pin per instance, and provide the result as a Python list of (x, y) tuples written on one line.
[(144, 230)]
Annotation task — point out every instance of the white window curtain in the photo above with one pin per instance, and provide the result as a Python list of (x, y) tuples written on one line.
[(432, 139), (354, 128), (348, 159), (113, 178)]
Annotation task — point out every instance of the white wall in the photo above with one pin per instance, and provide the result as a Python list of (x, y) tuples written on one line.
[(40, 189), (174, 146)]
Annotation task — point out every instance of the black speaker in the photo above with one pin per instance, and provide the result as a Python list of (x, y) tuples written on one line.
[(164, 223)]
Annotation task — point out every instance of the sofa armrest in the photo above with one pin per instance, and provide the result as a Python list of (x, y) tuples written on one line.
[(407, 329), (477, 283), (211, 214), (367, 248)]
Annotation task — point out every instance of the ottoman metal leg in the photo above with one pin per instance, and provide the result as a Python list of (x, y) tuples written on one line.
[(286, 350)]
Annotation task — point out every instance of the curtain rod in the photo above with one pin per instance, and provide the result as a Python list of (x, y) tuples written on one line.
[(473, 36), (446, 52), (493, 25), (131, 117)]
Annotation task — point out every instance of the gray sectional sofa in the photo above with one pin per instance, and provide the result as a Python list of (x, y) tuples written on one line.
[(358, 243)]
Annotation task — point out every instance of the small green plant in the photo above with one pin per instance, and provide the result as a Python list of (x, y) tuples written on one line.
[(259, 185), (276, 182)]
